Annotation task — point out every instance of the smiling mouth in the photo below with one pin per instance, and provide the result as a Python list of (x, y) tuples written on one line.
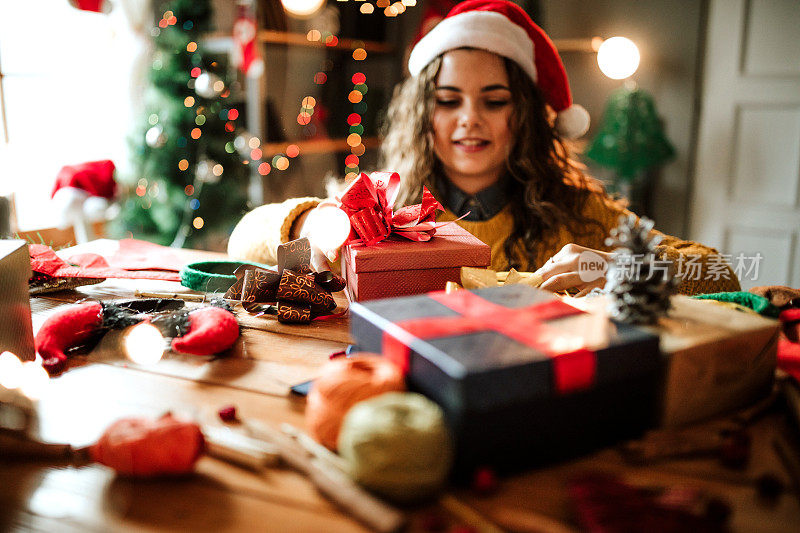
[(471, 144)]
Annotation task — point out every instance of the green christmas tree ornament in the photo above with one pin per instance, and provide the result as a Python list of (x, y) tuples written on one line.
[(631, 138)]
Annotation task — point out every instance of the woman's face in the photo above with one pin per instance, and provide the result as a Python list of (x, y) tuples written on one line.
[(471, 117)]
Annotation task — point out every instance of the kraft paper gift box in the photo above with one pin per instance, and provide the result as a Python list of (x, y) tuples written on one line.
[(16, 330), (717, 358), (523, 378), (400, 267)]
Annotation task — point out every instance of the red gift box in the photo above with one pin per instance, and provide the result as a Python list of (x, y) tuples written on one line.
[(400, 267)]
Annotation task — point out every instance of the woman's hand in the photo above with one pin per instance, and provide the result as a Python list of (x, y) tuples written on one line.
[(573, 268)]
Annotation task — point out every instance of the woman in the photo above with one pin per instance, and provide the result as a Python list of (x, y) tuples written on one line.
[(480, 122)]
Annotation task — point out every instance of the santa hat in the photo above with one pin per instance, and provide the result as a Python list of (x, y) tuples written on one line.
[(502, 27), (83, 191)]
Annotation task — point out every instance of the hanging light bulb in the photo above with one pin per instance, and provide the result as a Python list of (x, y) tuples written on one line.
[(618, 58), (302, 8)]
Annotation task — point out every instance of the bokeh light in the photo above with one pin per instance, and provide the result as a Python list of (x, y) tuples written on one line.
[(217, 170), (256, 154), (198, 222), (320, 78), (358, 77), (264, 169), (183, 164), (196, 133), (303, 118), (353, 119), (254, 142), (353, 140), (200, 120), (355, 96), (282, 163), (189, 190), (367, 8), (188, 101), (359, 150), (359, 54), (292, 150), (313, 35), (191, 47), (233, 114)]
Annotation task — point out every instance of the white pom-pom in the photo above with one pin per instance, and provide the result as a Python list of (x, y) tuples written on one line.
[(94, 209), (572, 122), (68, 205)]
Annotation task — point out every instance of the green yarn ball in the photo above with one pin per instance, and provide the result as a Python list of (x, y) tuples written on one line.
[(397, 445)]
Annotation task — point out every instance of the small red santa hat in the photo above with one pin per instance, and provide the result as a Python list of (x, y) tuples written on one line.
[(502, 27), (96, 178)]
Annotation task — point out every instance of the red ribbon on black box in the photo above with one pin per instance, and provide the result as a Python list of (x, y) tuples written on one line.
[(574, 366)]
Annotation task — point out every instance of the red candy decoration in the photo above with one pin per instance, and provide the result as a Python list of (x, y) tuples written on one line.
[(211, 330)]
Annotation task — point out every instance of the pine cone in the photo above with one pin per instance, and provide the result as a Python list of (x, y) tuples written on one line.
[(639, 291)]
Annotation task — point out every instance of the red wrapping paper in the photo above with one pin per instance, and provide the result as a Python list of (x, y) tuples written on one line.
[(399, 267)]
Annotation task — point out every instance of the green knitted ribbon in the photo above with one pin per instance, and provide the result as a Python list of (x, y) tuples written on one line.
[(757, 303), (212, 276)]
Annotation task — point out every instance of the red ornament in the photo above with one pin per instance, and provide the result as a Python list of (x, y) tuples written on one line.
[(227, 414), (484, 481), (246, 52)]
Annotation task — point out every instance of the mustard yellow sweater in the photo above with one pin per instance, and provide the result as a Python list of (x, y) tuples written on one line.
[(259, 233)]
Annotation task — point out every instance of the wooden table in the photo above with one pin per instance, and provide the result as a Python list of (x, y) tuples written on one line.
[(101, 387)]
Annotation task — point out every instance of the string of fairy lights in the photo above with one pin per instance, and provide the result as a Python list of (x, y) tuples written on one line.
[(210, 86)]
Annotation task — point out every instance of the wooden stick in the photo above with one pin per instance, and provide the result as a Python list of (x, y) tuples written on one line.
[(314, 448), (239, 449), (468, 515), (179, 295), (334, 484)]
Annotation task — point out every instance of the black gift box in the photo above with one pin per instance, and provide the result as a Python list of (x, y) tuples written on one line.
[(499, 395)]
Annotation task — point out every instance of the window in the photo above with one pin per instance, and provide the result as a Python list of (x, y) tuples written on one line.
[(67, 82)]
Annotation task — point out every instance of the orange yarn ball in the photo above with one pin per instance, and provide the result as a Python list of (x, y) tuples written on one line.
[(342, 383)]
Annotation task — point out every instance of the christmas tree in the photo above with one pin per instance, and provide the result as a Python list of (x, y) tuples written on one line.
[(189, 183), (631, 137)]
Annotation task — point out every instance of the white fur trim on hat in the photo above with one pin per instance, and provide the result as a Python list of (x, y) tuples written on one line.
[(573, 121), (486, 30)]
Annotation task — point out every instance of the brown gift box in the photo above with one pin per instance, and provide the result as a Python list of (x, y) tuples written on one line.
[(718, 359), (16, 330), (400, 267)]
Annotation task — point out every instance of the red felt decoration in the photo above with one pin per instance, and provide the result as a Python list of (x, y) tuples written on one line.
[(71, 327), (211, 330), (143, 448)]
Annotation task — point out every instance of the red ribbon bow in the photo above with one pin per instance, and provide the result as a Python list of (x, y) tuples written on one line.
[(368, 203)]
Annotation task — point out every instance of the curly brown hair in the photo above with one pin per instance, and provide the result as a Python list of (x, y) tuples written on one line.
[(547, 189)]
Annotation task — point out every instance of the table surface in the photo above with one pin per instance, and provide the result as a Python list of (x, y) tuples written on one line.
[(255, 376)]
